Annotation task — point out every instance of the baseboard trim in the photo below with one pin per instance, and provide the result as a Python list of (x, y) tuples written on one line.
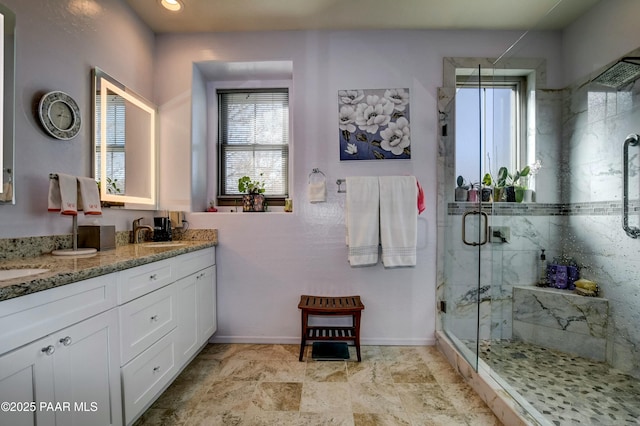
[(287, 340)]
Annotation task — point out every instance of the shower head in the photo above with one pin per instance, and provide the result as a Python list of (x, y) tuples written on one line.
[(622, 72)]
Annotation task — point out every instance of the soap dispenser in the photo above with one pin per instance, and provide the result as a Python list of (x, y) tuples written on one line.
[(542, 271)]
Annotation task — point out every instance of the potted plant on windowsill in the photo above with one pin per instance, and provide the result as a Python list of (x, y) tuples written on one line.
[(462, 190), (253, 194), (485, 192), (474, 192), (112, 188), (512, 183)]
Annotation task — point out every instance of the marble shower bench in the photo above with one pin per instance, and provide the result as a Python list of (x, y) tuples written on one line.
[(561, 320)]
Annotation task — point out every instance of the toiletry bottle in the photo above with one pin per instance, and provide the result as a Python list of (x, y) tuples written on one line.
[(542, 271)]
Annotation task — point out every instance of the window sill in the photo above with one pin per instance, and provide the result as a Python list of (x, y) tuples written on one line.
[(232, 210), (237, 202)]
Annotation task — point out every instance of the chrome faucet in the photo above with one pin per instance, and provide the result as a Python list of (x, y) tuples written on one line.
[(137, 227)]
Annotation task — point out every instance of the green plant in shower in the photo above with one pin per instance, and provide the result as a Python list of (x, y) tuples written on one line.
[(511, 179), (501, 180), (462, 183)]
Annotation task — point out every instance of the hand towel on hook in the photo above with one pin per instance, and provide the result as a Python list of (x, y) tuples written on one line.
[(63, 195), (88, 196), (317, 187)]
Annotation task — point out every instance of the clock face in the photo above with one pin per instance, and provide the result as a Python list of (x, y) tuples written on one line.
[(59, 115)]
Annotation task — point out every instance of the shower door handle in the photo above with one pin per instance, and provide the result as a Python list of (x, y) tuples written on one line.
[(632, 231), (486, 228)]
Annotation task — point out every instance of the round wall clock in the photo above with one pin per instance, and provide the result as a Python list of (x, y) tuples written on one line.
[(59, 115)]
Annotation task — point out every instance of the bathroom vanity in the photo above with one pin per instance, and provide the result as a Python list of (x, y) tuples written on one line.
[(100, 349)]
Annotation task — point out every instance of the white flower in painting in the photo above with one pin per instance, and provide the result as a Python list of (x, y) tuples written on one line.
[(374, 113), (396, 137), (352, 149), (399, 97), (350, 97), (347, 118)]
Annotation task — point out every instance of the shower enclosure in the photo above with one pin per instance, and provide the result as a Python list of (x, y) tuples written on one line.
[(564, 358)]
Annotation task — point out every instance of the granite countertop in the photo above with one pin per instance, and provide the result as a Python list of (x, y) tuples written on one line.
[(68, 269)]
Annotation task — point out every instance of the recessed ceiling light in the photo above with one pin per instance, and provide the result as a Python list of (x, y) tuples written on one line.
[(172, 5)]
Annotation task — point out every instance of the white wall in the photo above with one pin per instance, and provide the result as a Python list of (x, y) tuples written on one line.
[(266, 261), (57, 45), (606, 32)]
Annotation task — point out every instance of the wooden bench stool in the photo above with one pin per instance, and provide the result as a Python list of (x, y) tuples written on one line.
[(332, 306)]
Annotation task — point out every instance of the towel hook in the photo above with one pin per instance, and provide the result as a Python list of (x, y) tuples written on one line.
[(316, 171)]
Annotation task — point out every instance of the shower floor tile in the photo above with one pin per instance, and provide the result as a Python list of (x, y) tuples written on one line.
[(565, 389)]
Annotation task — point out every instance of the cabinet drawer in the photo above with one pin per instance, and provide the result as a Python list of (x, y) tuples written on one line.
[(187, 264), (145, 320), (145, 376), (138, 281), (27, 318)]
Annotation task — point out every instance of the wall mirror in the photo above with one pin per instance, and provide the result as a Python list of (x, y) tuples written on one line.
[(7, 94), (124, 145)]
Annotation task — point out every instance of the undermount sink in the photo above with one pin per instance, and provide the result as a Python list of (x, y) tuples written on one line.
[(162, 244), (9, 274)]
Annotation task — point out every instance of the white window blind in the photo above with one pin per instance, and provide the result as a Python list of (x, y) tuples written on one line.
[(115, 140), (253, 138)]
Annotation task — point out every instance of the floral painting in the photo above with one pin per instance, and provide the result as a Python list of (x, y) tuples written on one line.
[(374, 124)]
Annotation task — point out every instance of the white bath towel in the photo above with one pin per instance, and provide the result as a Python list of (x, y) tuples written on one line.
[(63, 195), (317, 192), (398, 220), (88, 196), (362, 218)]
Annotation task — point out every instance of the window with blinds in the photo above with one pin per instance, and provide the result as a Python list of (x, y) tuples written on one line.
[(115, 160), (253, 140)]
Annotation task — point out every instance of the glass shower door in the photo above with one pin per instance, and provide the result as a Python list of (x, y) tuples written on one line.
[(465, 221)]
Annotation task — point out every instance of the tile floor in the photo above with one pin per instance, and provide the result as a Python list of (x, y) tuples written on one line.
[(565, 389), (234, 384)]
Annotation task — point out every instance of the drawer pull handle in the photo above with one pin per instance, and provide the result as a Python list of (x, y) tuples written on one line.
[(156, 369), (66, 341), (154, 318), (153, 277), (49, 350)]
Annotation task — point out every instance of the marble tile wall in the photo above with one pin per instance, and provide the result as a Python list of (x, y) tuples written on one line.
[(502, 266), (579, 140), (597, 121), (561, 320)]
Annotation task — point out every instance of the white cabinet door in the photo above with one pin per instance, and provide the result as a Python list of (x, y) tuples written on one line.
[(196, 312), (187, 341), (26, 379), (87, 372), (207, 312), (71, 377)]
